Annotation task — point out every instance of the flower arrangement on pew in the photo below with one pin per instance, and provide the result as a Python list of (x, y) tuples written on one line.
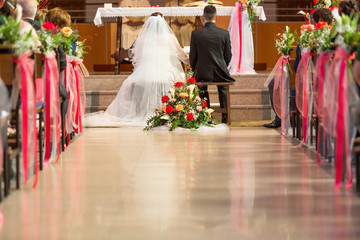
[(49, 40), (307, 37), (12, 33), (16, 33), (346, 32), (182, 109), (325, 3), (323, 43), (285, 41), (249, 6), (68, 39), (341, 95), (280, 75), (323, 36)]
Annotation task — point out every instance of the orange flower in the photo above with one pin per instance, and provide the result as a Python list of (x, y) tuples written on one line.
[(183, 95), (179, 107), (163, 108), (321, 25), (309, 27), (66, 31)]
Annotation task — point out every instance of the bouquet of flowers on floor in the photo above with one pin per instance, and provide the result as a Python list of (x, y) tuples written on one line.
[(183, 108), (249, 6)]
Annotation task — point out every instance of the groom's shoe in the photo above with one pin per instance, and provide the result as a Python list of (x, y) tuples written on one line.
[(274, 124), (224, 118)]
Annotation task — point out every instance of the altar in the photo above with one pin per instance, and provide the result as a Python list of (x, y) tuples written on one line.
[(111, 15)]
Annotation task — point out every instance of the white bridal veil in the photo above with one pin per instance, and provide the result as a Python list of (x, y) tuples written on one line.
[(156, 58)]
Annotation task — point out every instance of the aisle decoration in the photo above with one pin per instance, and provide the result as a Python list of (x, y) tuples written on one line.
[(304, 77), (342, 96), (280, 74), (240, 30), (323, 37), (67, 40), (50, 41), (182, 108), (249, 6), (13, 32), (77, 60)]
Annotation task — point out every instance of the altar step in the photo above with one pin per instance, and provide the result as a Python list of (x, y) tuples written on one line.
[(238, 112), (249, 98), (238, 97)]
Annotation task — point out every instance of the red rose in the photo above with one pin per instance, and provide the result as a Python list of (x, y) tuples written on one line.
[(333, 8), (204, 103), (312, 12), (164, 99), (191, 80), (169, 109), (315, 2), (48, 26), (179, 84), (321, 25), (189, 117)]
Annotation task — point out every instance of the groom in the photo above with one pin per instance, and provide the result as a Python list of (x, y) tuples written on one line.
[(210, 54)]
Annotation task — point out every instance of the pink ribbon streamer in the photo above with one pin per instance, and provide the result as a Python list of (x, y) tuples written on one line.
[(240, 36), (318, 86), (24, 72), (303, 91), (69, 82), (52, 107), (280, 93), (342, 137), (337, 114), (80, 93)]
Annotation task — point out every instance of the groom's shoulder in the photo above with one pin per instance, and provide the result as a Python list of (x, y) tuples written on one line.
[(222, 31)]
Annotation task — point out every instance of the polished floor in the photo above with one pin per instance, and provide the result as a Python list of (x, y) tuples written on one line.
[(248, 183)]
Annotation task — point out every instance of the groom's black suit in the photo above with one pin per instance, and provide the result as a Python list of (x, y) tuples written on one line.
[(210, 54)]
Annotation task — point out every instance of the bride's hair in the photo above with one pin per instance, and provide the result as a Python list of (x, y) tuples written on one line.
[(157, 14)]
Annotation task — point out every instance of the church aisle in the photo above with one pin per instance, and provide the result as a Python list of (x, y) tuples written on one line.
[(248, 183)]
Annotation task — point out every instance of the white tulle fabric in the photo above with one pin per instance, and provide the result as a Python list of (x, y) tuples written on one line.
[(246, 47), (156, 58)]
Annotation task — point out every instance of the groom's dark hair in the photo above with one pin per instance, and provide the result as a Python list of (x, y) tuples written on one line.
[(210, 13)]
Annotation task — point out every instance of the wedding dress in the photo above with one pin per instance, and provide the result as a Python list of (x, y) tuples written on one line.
[(156, 57)]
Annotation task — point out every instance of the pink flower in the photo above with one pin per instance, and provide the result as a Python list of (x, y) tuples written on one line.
[(199, 108), (173, 100), (198, 98)]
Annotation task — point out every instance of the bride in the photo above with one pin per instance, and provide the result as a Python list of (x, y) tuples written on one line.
[(157, 57)]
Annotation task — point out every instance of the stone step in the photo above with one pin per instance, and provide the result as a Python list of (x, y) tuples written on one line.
[(238, 97), (238, 112), (112, 82)]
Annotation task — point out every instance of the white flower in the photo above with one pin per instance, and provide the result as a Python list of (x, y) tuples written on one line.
[(336, 16), (172, 92), (191, 88), (209, 111), (165, 117)]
